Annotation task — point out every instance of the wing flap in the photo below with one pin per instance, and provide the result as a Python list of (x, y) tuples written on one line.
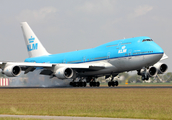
[(83, 67), (29, 69), (46, 72), (96, 67)]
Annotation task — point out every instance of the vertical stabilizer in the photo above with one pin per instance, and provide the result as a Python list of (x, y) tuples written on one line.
[(34, 46)]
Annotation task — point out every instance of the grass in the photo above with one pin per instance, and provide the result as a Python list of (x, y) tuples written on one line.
[(11, 118), (141, 84), (110, 102), (149, 84)]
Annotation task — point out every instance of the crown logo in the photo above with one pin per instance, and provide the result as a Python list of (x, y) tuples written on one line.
[(123, 47), (31, 40)]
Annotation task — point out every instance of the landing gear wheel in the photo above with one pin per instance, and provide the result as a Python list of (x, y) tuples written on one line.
[(116, 83), (79, 84), (94, 84), (74, 84), (113, 83), (109, 84), (84, 84), (143, 77), (97, 84), (71, 83), (91, 84)]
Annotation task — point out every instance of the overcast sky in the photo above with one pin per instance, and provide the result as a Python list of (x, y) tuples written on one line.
[(68, 25)]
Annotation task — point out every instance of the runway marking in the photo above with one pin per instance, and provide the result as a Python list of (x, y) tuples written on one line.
[(66, 117), (101, 87)]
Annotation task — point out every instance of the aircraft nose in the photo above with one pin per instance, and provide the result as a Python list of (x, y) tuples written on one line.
[(157, 49), (160, 50)]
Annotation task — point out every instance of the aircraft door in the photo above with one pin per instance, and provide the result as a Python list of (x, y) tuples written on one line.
[(134, 62), (129, 53), (108, 55), (84, 59), (119, 44), (64, 61)]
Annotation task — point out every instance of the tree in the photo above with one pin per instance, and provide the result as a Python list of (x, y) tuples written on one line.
[(167, 77)]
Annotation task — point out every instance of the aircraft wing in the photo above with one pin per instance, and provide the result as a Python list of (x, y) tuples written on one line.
[(164, 57), (49, 67), (76, 67), (25, 64)]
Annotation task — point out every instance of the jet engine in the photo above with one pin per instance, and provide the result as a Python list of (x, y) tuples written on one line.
[(161, 67), (152, 71), (12, 71), (146, 73), (64, 73)]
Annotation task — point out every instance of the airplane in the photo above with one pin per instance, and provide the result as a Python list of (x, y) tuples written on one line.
[(138, 53)]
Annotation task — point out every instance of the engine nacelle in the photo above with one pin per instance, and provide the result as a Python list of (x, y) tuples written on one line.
[(152, 71), (12, 71), (162, 68), (64, 73)]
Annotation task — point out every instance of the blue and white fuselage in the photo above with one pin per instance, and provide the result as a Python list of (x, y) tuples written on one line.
[(117, 56)]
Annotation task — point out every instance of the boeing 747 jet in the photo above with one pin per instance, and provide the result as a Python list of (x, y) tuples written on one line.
[(139, 53)]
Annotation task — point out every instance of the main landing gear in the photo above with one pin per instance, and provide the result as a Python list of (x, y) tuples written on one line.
[(80, 83), (91, 80), (113, 83), (93, 83)]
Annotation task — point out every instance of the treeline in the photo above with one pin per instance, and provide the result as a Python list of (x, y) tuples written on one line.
[(134, 78), (122, 78)]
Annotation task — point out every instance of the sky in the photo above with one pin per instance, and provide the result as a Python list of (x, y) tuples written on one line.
[(69, 25)]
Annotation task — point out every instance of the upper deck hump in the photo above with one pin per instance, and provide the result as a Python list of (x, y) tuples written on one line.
[(128, 40)]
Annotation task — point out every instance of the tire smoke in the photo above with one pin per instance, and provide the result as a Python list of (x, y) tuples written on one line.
[(33, 79)]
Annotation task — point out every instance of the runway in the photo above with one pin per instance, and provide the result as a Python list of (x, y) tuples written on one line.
[(65, 117), (101, 87)]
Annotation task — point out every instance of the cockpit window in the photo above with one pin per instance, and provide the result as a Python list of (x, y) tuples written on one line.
[(147, 40)]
